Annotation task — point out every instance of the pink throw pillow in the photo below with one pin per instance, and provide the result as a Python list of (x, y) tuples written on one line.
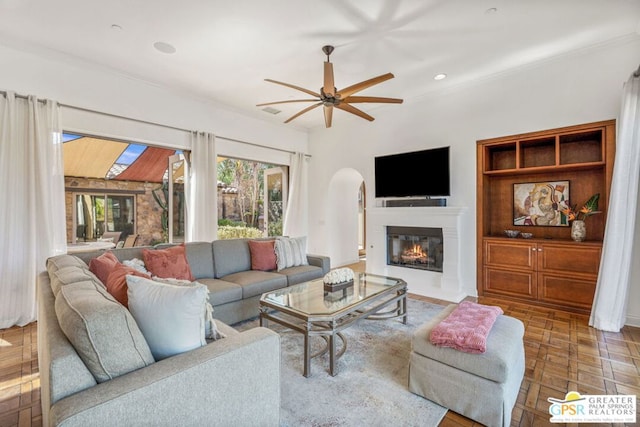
[(263, 255), (168, 263), (103, 265), (117, 282)]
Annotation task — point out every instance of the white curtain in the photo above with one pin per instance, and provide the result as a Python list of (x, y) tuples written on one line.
[(32, 224), (202, 205), (295, 217), (610, 303)]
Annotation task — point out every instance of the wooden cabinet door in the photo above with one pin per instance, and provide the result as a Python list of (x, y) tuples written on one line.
[(516, 254), (510, 282), (566, 290), (567, 273), (569, 258), (509, 268)]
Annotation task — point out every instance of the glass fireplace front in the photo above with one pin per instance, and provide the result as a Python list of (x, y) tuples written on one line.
[(415, 247)]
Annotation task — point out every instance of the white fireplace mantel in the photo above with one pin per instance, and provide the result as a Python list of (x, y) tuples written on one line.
[(446, 285)]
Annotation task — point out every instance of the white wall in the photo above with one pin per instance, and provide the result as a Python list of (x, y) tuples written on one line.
[(79, 84), (579, 88)]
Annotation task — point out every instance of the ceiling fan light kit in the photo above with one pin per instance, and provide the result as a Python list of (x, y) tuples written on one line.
[(329, 97)]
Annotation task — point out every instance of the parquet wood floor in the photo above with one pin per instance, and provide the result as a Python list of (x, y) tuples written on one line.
[(562, 354)]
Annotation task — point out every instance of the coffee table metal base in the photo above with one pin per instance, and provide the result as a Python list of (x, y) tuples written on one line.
[(330, 329)]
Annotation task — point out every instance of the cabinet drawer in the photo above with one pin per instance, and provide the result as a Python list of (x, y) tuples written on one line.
[(520, 283), (569, 291), (506, 254), (569, 258)]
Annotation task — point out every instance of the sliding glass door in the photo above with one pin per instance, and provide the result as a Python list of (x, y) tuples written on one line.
[(177, 178), (275, 199)]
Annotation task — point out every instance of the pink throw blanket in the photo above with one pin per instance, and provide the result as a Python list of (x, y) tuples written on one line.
[(466, 328)]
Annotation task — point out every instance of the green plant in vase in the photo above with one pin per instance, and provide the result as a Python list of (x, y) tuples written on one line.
[(577, 217)]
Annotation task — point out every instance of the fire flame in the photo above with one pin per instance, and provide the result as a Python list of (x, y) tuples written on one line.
[(416, 251)]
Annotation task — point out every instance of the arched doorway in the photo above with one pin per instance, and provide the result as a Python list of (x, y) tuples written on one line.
[(346, 219)]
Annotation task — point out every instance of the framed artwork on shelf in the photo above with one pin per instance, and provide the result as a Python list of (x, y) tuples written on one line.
[(541, 203)]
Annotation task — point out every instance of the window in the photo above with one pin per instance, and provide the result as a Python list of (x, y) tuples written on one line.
[(97, 213), (252, 198)]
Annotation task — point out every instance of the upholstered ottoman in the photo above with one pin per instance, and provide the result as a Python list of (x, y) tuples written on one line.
[(483, 387)]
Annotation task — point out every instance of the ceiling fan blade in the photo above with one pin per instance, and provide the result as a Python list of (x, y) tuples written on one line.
[(328, 115), (358, 99), (299, 113), (353, 110), (329, 85), (310, 92), (285, 102), (348, 91)]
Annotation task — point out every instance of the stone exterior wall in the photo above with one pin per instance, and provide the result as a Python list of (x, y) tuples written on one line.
[(148, 223), (228, 205)]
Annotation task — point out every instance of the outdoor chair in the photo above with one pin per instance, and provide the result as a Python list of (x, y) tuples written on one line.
[(115, 235), (130, 241)]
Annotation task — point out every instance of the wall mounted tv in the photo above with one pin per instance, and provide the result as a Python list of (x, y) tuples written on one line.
[(416, 174)]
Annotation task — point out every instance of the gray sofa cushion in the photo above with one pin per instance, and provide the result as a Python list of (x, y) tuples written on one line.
[(222, 292), (102, 331), (301, 273), (120, 253), (200, 258), (60, 261), (71, 274), (231, 256), (255, 282)]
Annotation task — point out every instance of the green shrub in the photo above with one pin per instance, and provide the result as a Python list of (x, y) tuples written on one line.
[(225, 222), (236, 232), (275, 228)]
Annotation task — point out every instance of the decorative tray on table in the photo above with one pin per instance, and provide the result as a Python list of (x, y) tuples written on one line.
[(338, 279)]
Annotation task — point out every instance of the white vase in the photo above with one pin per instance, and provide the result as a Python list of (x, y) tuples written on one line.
[(578, 230)]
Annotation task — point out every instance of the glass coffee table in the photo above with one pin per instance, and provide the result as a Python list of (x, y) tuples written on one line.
[(313, 309)]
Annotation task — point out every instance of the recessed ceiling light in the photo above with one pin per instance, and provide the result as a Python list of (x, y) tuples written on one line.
[(439, 76), (164, 47), (491, 10)]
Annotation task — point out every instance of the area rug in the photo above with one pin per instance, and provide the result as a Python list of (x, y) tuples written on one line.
[(371, 387)]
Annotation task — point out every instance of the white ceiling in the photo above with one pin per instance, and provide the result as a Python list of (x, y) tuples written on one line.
[(225, 48)]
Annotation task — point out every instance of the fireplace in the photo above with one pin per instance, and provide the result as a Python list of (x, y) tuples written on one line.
[(447, 284), (415, 247)]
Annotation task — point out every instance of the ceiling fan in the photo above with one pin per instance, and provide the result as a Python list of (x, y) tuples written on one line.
[(329, 97)]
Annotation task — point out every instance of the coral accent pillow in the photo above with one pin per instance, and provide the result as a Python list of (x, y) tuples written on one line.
[(103, 265), (117, 282), (171, 262), (263, 255)]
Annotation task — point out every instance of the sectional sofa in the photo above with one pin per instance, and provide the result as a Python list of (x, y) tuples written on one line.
[(224, 266), (96, 368)]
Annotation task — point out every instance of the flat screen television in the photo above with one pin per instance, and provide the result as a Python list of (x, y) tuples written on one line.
[(422, 173)]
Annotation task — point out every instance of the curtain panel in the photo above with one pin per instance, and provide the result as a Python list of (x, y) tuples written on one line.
[(202, 199), (296, 214), (609, 308), (32, 224)]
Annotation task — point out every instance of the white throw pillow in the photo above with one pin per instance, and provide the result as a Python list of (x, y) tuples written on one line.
[(171, 318), (211, 331), (301, 246), (291, 252)]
